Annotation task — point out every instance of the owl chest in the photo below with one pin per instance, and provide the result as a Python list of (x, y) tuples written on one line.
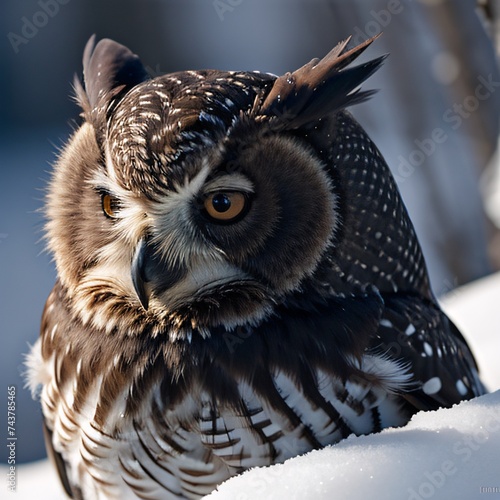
[(187, 448)]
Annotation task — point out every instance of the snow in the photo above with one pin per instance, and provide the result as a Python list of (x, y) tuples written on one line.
[(448, 453), (475, 309)]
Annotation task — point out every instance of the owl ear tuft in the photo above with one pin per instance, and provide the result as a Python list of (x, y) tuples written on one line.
[(109, 70), (319, 88)]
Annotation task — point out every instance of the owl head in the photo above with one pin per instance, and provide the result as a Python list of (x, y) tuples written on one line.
[(202, 198)]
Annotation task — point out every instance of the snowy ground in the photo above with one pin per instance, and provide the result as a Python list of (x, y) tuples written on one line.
[(447, 454)]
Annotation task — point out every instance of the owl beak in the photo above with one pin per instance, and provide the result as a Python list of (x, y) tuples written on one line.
[(138, 270), (151, 274)]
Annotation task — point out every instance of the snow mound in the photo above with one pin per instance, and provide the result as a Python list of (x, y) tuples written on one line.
[(443, 454)]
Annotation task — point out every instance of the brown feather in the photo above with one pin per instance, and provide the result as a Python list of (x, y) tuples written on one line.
[(320, 87)]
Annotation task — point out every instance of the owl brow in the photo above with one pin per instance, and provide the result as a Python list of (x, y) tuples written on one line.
[(229, 182), (192, 184), (102, 182)]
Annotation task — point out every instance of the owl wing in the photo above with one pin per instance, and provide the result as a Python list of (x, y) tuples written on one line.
[(416, 332)]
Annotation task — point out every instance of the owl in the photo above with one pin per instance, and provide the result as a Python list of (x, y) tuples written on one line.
[(238, 280)]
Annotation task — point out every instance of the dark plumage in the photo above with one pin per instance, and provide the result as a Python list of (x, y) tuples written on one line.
[(238, 280)]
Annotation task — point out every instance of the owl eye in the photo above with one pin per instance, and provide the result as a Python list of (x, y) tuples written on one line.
[(110, 205), (226, 206)]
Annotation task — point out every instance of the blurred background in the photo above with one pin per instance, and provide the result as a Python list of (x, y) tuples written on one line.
[(435, 120)]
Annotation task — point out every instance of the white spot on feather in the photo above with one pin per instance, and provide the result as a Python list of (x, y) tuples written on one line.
[(428, 349), (461, 388), (410, 330), (432, 386)]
